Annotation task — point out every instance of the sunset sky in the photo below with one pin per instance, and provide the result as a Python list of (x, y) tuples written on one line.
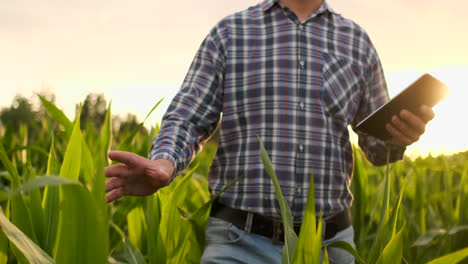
[(136, 52)]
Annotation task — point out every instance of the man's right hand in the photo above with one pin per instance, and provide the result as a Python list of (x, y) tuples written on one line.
[(135, 175)]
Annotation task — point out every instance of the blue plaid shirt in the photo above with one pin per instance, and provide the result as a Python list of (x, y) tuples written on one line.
[(297, 86)]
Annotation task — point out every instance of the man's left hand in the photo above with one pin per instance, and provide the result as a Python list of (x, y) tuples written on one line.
[(407, 127)]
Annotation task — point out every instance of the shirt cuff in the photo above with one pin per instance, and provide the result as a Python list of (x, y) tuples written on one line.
[(169, 157), (396, 152)]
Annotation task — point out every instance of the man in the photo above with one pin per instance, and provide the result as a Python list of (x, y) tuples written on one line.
[(295, 74)]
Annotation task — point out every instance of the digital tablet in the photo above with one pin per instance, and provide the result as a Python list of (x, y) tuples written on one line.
[(426, 90)]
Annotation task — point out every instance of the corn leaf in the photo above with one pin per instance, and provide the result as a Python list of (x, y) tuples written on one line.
[(50, 203), (176, 230), (452, 258), (87, 158), (21, 216), (359, 189), (33, 253), (43, 181), (4, 240), (387, 229), (198, 222), (72, 160), (14, 176), (81, 236), (392, 252), (106, 132), (57, 114), (349, 248), (37, 215), (132, 254), (153, 217), (136, 227), (290, 237), (428, 237), (309, 243), (126, 143)]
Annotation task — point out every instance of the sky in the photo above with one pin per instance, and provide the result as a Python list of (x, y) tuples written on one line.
[(137, 52)]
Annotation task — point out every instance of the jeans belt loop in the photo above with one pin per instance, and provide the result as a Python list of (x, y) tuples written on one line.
[(277, 233), (248, 223)]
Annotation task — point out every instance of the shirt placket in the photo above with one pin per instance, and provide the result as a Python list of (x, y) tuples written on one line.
[(300, 118)]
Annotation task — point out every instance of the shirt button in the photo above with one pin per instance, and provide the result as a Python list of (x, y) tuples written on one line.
[(302, 64), (301, 148), (302, 105)]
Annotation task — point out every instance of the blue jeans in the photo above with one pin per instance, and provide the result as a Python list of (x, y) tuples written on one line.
[(225, 243)]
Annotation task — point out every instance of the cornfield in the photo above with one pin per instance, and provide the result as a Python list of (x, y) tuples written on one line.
[(54, 210)]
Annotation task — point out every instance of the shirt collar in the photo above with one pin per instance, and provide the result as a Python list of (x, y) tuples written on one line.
[(268, 4)]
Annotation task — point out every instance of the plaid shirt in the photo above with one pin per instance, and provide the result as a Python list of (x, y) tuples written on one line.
[(297, 86)]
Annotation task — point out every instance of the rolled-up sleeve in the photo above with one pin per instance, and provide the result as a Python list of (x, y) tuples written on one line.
[(375, 94), (195, 111)]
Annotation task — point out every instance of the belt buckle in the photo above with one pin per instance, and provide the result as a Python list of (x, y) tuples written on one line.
[(278, 234)]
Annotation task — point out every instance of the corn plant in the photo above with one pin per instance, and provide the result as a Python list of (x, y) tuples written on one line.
[(54, 210)]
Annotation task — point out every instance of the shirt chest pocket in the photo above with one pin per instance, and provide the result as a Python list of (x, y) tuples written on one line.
[(341, 87)]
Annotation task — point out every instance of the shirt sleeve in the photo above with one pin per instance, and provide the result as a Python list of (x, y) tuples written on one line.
[(194, 113), (375, 94)]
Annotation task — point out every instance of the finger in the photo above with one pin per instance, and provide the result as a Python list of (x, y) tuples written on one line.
[(128, 158), (404, 128), (117, 170), (398, 138), (113, 183), (426, 113), (414, 121), (114, 195)]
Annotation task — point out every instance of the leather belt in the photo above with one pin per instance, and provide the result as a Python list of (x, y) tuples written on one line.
[(268, 227)]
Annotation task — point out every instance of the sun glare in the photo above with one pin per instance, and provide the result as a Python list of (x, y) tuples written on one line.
[(447, 132)]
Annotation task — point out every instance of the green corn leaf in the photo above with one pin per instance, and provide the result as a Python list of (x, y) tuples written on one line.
[(3, 248), (198, 221), (309, 243), (159, 250), (153, 218), (387, 229), (71, 163), (4, 240), (175, 230), (82, 229), (87, 158), (456, 229), (132, 254), (460, 209), (428, 237), (14, 176), (126, 143), (290, 237), (53, 166), (37, 215), (452, 258), (50, 203), (21, 216), (392, 252), (33, 253), (349, 248), (106, 132), (57, 115), (359, 189), (136, 227), (43, 181)]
